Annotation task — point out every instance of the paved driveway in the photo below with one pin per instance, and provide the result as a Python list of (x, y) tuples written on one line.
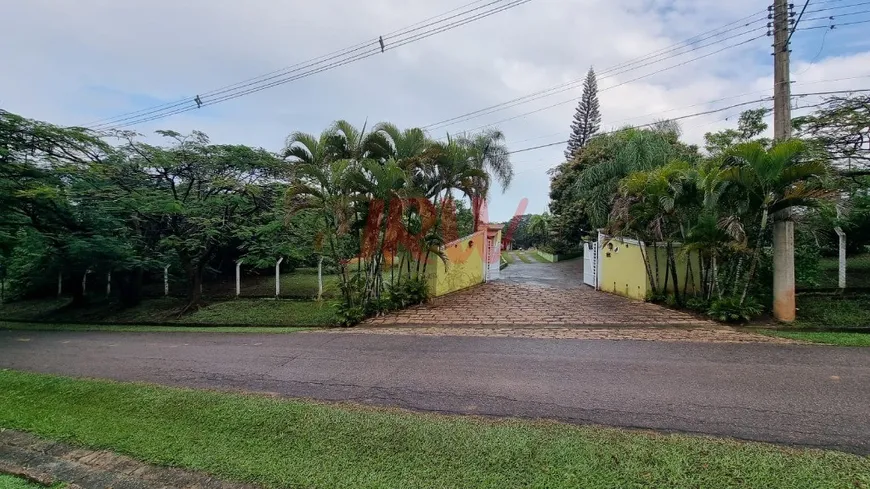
[(808, 395), (538, 294)]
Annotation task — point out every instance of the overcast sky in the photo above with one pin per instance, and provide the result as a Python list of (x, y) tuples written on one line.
[(76, 61)]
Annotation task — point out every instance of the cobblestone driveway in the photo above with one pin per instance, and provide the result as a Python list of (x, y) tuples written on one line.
[(529, 294)]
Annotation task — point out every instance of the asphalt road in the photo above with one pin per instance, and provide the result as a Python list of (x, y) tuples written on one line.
[(804, 395)]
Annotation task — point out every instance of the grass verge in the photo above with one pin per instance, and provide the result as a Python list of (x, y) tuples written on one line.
[(828, 338), (248, 312), (285, 443), (523, 257), (10, 482), (145, 328), (538, 258), (833, 311)]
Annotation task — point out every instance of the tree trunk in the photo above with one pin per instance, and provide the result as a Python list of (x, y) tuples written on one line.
[(673, 262), (756, 254)]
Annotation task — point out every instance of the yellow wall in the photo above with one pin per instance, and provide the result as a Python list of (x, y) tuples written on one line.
[(622, 269), (463, 269), (682, 262), (623, 272)]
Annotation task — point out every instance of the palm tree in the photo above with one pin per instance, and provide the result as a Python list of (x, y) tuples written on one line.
[(322, 187), (357, 145), (304, 148), (770, 182), (403, 145), (487, 152), (634, 150)]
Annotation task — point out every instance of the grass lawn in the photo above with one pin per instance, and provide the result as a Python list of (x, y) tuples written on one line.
[(508, 257), (286, 443), (857, 271), (538, 257), (523, 257), (254, 312), (829, 338), (10, 482), (144, 328), (833, 311)]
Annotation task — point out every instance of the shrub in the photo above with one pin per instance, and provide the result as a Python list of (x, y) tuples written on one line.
[(349, 315), (407, 293), (729, 310), (698, 304)]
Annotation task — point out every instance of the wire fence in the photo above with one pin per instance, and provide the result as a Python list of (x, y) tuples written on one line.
[(832, 278)]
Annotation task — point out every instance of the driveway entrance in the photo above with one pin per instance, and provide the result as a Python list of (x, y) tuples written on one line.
[(531, 294)]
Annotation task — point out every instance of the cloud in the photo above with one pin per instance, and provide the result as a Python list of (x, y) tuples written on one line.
[(76, 62)]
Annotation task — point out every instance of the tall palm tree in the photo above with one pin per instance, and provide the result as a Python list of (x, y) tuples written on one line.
[(772, 181), (358, 145), (304, 148), (403, 145), (487, 152), (323, 187), (634, 150)]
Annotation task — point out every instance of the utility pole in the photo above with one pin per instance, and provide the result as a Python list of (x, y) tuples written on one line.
[(783, 226)]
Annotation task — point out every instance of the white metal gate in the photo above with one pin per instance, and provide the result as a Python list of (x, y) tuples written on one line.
[(492, 260), (590, 263)]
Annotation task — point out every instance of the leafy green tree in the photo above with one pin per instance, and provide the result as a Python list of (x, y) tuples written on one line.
[(202, 194), (750, 125), (841, 126)]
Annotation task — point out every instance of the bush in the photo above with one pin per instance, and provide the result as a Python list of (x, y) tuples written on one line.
[(729, 310), (698, 304), (407, 293)]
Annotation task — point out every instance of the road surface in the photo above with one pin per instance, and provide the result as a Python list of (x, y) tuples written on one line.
[(791, 394)]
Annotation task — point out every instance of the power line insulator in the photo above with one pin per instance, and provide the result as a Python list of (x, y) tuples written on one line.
[(198, 102)]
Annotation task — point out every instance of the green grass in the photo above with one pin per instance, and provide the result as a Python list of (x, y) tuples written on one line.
[(857, 271), (253, 312), (523, 257), (538, 257), (833, 311), (508, 257), (144, 328), (828, 338), (285, 443), (10, 482)]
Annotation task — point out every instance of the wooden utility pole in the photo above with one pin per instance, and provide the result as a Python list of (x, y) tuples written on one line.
[(783, 226)]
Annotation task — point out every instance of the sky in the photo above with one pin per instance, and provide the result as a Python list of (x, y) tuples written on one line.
[(76, 62)]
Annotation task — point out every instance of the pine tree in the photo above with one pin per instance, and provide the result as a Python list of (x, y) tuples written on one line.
[(587, 119)]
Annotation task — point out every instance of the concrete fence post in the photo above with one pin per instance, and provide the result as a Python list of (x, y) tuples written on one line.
[(278, 277), (320, 277), (108, 284), (59, 284), (842, 248), (85, 281), (166, 281), (238, 278)]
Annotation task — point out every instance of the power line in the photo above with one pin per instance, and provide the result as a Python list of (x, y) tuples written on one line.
[(316, 65), (826, 9), (837, 16), (834, 26), (612, 71), (697, 114), (620, 84), (290, 69), (798, 21)]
